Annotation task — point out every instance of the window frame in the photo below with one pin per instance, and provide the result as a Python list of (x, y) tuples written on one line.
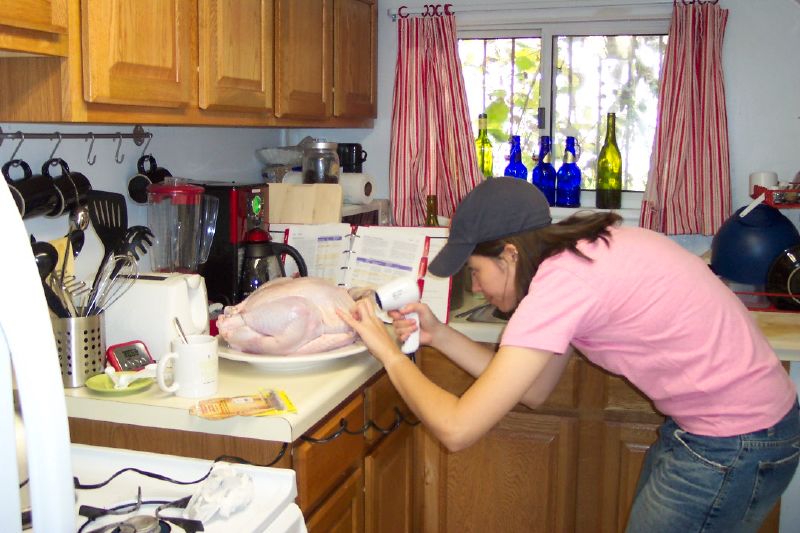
[(547, 31)]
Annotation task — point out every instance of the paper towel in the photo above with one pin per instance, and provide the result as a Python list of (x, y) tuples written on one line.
[(357, 188)]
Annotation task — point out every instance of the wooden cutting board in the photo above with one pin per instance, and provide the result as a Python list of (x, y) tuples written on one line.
[(319, 203)]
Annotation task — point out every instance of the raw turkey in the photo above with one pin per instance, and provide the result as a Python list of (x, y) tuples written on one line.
[(289, 316)]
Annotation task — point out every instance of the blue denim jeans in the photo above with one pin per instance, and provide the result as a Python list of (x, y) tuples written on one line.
[(692, 483)]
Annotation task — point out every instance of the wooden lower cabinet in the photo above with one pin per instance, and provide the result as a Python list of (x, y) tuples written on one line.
[(570, 466), (389, 483), (519, 477), (343, 511)]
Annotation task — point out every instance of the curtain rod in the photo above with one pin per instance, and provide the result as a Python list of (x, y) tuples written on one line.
[(437, 10)]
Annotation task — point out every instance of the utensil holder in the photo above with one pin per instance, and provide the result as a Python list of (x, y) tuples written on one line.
[(81, 344)]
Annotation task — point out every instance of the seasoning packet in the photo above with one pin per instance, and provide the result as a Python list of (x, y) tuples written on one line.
[(268, 402)]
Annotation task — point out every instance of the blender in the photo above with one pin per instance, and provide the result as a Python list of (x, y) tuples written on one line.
[(183, 220)]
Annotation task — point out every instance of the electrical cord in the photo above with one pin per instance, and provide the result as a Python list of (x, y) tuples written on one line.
[(160, 477)]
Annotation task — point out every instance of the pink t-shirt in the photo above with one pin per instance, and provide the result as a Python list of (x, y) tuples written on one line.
[(653, 312)]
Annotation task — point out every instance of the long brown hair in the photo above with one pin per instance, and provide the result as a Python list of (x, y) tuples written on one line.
[(535, 246)]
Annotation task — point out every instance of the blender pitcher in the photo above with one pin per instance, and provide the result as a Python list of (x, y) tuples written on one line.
[(183, 220)]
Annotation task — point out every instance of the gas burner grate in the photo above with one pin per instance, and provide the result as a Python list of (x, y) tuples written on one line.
[(138, 522)]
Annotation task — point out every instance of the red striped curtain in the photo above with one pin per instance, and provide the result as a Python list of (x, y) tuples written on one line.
[(688, 187), (432, 145)]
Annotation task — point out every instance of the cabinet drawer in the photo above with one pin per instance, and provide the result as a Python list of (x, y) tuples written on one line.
[(322, 466)]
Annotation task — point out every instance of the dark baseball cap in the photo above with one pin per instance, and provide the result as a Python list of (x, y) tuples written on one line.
[(497, 208)]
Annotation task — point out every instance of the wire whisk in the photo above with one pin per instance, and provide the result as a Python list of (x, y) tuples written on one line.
[(114, 280)]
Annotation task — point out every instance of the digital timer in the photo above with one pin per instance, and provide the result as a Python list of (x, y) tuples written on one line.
[(131, 355)]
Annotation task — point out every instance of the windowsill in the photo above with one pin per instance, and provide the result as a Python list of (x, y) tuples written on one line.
[(631, 202), (630, 217)]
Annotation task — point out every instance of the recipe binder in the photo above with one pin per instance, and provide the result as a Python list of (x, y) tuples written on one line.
[(370, 256)]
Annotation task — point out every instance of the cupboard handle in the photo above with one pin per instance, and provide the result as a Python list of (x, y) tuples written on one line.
[(398, 420)]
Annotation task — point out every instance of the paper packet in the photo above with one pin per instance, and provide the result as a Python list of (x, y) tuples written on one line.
[(267, 402)]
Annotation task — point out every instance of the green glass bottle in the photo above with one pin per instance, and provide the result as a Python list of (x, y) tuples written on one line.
[(609, 170), (431, 210), (483, 148)]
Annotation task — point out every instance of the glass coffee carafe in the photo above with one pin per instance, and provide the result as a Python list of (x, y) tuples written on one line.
[(183, 220)]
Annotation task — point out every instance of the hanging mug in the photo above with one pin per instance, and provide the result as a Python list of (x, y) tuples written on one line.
[(137, 185), (351, 156), (37, 193), (26, 171), (71, 187)]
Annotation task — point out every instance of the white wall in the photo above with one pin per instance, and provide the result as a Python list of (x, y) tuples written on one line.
[(762, 79), (194, 153), (762, 74)]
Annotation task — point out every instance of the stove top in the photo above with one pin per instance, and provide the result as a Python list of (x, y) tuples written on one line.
[(134, 503)]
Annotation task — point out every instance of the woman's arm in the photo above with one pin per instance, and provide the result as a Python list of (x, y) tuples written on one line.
[(456, 422), (474, 357)]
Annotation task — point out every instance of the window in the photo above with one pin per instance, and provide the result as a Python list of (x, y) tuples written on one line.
[(558, 81)]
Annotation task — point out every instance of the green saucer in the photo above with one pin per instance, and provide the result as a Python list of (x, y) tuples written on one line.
[(103, 384)]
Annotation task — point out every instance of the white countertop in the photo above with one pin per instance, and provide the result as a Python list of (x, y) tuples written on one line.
[(781, 329), (315, 393)]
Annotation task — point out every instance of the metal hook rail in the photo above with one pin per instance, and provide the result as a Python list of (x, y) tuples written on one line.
[(138, 135)]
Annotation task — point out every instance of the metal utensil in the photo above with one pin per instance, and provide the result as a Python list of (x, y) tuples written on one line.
[(180, 330), (109, 215), (117, 276), (78, 222), (46, 257)]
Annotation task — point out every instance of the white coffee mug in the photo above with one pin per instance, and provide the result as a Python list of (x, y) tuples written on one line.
[(765, 179), (195, 367)]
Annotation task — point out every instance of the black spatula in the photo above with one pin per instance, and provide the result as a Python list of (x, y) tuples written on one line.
[(109, 215)]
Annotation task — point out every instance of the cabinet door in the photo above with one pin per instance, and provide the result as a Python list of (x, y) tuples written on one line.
[(236, 49), (623, 455), (323, 465), (48, 16), (34, 26), (388, 472), (303, 60), (137, 53), (343, 512), (354, 50), (522, 475)]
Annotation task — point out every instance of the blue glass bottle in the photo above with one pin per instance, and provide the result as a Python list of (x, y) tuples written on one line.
[(515, 168), (543, 174), (568, 178)]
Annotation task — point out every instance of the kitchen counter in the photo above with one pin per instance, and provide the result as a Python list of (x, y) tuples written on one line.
[(781, 329), (314, 392)]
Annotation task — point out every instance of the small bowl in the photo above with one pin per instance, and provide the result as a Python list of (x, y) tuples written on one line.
[(783, 277)]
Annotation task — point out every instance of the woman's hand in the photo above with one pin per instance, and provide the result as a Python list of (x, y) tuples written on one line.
[(372, 330), (428, 323)]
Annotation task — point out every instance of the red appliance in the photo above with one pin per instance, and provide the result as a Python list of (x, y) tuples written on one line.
[(242, 207)]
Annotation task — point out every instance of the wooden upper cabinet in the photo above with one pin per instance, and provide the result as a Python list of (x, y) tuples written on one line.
[(236, 54), (303, 48), (33, 27), (49, 16), (137, 53), (354, 50)]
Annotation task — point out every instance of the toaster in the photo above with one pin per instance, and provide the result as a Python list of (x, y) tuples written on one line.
[(147, 311)]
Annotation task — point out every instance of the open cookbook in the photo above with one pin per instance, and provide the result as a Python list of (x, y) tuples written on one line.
[(369, 256)]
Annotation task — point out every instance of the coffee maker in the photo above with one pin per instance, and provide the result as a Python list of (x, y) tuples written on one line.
[(242, 208)]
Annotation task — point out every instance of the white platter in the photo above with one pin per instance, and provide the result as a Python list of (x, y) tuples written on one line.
[(291, 363)]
